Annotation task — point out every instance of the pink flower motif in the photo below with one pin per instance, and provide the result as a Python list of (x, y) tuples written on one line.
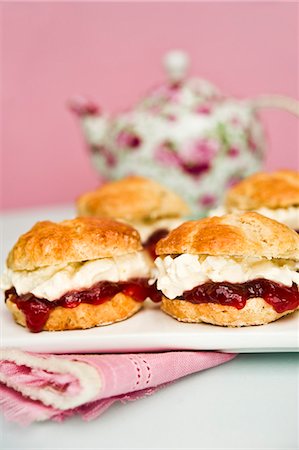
[(204, 109), (202, 150), (171, 117), (167, 92), (233, 152), (166, 154), (83, 107), (105, 153), (128, 139), (208, 200), (196, 158)]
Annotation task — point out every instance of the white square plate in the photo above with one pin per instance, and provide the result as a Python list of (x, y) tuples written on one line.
[(148, 330), (152, 330)]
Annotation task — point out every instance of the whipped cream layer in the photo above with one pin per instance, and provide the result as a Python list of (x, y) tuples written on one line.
[(288, 216), (52, 282), (185, 272), (145, 230)]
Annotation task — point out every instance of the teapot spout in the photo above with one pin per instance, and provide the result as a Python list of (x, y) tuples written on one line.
[(82, 106), (94, 123)]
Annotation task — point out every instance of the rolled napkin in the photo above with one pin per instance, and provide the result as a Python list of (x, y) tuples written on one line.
[(37, 387)]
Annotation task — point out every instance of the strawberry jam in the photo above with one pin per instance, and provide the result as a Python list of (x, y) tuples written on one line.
[(150, 243), (281, 298), (37, 310)]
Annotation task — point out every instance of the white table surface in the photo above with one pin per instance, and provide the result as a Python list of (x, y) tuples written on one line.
[(251, 402)]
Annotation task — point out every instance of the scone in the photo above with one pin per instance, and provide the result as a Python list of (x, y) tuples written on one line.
[(234, 270), (143, 203), (75, 274), (275, 195)]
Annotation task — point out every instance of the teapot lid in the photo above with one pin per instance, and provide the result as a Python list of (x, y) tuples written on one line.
[(177, 94), (180, 92)]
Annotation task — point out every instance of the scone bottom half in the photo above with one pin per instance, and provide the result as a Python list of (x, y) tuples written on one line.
[(237, 238), (67, 252), (81, 310)]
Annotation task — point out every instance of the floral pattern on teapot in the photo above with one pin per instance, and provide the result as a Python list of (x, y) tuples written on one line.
[(184, 134)]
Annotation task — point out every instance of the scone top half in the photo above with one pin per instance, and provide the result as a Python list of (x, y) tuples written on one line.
[(275, 195), (80, 260), (145, 204), (227, 261)]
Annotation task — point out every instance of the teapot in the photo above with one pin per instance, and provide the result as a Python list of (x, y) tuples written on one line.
[(184, 133)]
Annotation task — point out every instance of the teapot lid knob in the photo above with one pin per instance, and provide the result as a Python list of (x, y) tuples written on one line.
[(176, 63)]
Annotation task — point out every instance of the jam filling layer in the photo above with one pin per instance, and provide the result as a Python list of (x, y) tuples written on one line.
[(281, 298), (37, 310), (150, 243)]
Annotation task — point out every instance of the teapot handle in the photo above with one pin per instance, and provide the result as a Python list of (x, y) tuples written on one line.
[(276, 101)]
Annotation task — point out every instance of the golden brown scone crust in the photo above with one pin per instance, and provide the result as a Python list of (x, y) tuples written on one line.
[(120, 307), (133, 199), (248, 234), (81, 239), (255, 312), (271, 190)]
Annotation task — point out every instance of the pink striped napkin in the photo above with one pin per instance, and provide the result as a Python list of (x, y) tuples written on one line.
[(37, 387)]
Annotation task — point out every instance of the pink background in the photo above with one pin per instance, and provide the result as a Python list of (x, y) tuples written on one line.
[(112, 52)]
